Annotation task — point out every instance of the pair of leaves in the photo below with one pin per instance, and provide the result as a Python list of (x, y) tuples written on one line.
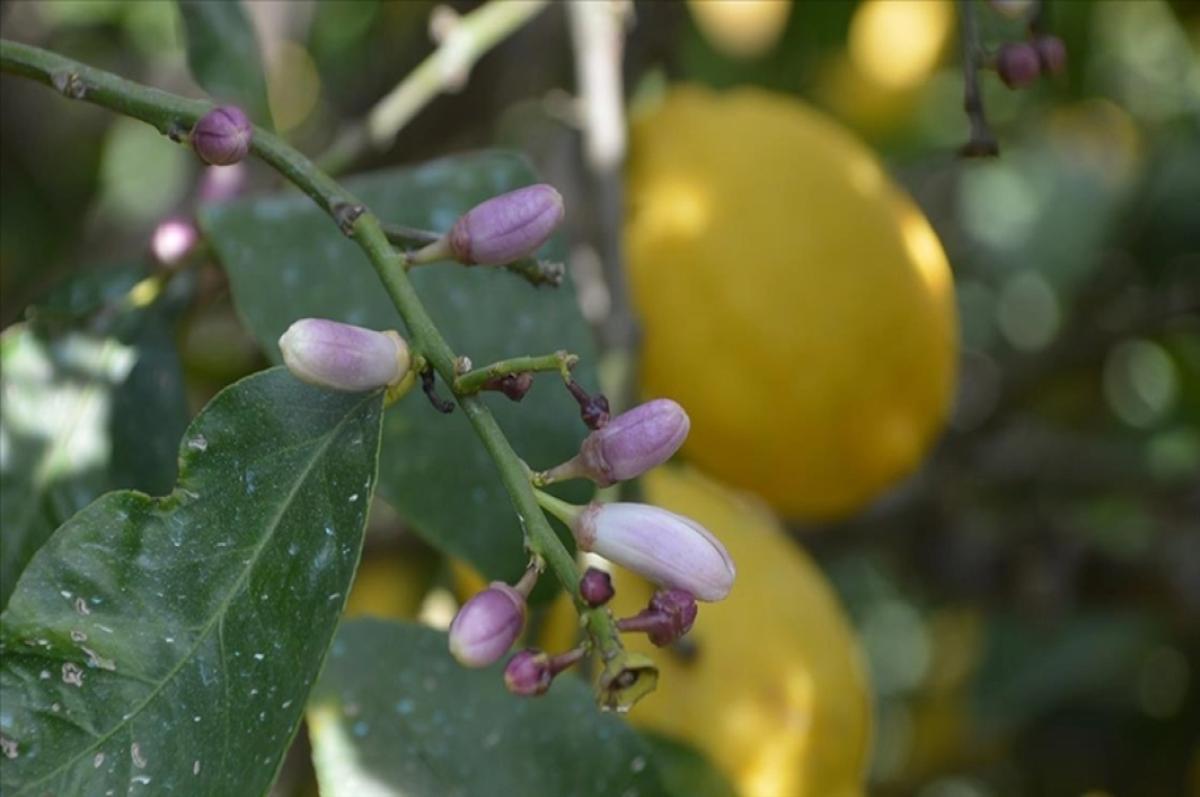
[(286, 261), (172, 642)]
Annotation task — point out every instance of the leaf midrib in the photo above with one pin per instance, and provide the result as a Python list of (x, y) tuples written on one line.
[(208, 627)]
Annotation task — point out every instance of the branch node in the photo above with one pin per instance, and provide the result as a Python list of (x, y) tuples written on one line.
[(346, 214)]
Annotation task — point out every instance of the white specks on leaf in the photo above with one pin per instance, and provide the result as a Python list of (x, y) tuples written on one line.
[(96, 661), (81, 606), (72, 674), (98, 761), (10, 747), (78, 636), (259, 656), (354, 498), (135, 753), (198, 443), (196, 767)]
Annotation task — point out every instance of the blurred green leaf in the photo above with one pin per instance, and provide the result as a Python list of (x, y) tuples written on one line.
[(684, 769), (286, 261), (223, 56), (393, 713), (93, 401), (171, 642)]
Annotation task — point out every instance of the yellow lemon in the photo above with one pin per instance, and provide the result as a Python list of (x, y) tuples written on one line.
[(773, 687), (741, 28), (793, 299), (391, 583)]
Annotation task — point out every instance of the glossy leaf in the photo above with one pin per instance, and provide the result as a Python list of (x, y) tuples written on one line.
[(286, 260), (223, 55), (170, 643), (93, 401), (394, 714)]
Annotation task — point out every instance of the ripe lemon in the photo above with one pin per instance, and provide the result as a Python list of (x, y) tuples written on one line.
[(793, 299), (741, 29), (775, 690)]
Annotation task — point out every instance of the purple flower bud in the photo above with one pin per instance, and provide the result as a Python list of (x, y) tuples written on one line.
[(669, 616), (344, 357), (628, 445), (528, 673), (507, 227), (487, 626), (1052, 54), (1017, 65), (173, 238), (596, 587), (668, 549), (222, 136), (220, 183)]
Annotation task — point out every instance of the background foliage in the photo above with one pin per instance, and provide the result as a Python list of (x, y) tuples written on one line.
[(1029, 603)]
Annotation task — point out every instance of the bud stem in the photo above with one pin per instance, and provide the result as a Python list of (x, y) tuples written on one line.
[(564, 511), (474, 381)]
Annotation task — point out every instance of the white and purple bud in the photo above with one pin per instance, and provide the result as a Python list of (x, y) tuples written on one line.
[(487, 625), (500, 230), (628, 445), (344, 357), (222, 136), (670, 550), (669, 616)]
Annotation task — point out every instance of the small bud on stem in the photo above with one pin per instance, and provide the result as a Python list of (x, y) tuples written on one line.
[(596, 587), (628, 446), (501, 230), (530, 672), (344, 357), (668, 617), (222, 136)]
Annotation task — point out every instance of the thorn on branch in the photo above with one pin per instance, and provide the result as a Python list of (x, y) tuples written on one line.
[(346, 214), (427, 384)]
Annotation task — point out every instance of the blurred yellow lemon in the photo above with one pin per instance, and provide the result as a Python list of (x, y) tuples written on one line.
[(793, 299), (741, 28), (773, 689), (391, 583)]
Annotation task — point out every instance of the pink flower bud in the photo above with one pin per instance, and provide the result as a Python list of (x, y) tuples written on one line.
[(1017, 65), (221, 183), (596, 587), (668, 549), (1052, 54), (528, 673), (223, 136), (172, 240), (507, 227), (487, 626), (344, 357), (629, 445)]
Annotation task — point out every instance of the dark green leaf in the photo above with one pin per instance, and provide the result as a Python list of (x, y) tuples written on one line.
[(223, 57), (171, 642), (684, 769), (93, 401), (393, 710), (286, 261)]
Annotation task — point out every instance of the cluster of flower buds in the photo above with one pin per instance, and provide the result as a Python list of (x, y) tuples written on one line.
[(1021, 63), (222, 136), (345, 357), (487, 625), (627, 446), (501, 230)]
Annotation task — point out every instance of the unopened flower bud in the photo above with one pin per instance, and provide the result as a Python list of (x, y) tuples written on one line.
[(220, 183), (487, 625), (1018, 65), (628, 445), (592, 409), (596, 587), (173, 238), (669, 616), (528, 673), (344, 357), (223, 136), (507, 227), (1052, 54), (514, 386), (668, 549)]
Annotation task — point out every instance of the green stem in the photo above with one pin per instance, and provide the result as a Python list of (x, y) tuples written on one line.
[(174, 116), (474, 381)]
